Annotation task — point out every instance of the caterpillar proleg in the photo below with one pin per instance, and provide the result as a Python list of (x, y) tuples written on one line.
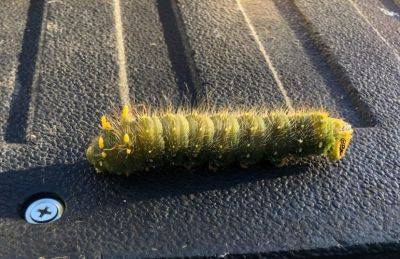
[(142, 140)]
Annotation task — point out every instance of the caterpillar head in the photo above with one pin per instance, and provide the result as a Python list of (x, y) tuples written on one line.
[(343, 133)]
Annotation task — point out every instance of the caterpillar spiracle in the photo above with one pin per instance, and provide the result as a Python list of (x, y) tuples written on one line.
[(139, 140)]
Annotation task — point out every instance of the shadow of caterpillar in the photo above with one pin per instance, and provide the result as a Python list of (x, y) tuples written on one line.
[(136, 141)]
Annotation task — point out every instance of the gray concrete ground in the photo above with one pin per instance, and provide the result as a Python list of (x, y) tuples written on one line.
[(63, 63)]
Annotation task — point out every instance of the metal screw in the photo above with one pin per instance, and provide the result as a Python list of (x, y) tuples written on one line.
[(43, 211)]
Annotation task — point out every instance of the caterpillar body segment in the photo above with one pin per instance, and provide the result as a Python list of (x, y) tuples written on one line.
[(141, 141), (201, 137)]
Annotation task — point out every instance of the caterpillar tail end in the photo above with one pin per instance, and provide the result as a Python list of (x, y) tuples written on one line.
[(343, 133)]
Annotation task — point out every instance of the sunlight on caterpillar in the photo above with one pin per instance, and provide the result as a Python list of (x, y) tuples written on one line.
[(139, 140)]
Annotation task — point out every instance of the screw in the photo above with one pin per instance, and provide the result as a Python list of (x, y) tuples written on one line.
[(43, 211)]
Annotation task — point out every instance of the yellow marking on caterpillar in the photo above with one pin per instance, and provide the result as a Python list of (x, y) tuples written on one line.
[(126, 139), (101, 142), (126, 114), (104, 123)]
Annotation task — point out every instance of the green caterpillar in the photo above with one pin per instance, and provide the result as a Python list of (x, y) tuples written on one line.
[(137, 141)]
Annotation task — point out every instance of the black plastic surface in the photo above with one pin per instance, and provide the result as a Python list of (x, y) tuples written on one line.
[(343, 55)]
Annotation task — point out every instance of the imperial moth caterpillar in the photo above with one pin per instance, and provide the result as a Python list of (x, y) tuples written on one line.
[(141, 140)]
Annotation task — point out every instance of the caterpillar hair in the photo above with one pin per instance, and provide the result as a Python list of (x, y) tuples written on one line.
[(138, 140)]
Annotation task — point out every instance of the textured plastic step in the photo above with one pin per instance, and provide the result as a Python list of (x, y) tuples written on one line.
[(256, 211), (365, 59), (156, 61), (69, 76), (304, 71), (229, 64), (77, 77), (384, 18), (315, 206), (19, 36), (13, 63)]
